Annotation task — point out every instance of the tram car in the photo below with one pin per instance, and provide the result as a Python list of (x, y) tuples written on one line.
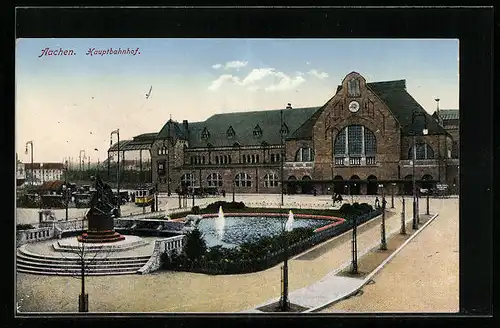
[(144, 196)]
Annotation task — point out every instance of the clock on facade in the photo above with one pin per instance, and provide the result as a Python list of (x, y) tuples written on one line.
[(354, 106)]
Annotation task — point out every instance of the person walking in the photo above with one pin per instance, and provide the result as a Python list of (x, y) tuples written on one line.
[(377, 202)]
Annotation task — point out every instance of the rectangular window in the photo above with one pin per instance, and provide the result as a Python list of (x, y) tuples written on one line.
[(339, 147), (355, 136)]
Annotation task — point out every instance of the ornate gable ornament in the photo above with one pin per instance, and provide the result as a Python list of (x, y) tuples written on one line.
[(205, 134), (257, 131), (230, 132)]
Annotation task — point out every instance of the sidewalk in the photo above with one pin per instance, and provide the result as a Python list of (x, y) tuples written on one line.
[(333, 288)]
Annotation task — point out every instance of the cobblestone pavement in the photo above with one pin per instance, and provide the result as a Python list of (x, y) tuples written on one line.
[(190, 292), (423, 277)]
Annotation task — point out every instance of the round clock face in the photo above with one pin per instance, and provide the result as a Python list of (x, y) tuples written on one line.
[(353, 106)]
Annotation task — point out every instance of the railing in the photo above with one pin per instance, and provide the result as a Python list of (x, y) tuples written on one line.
[(419, 162), (299, 164), (371, 160), (161, 246), (354, 160), (33, 235)]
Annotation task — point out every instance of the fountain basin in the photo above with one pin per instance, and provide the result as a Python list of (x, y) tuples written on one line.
[(248, 227)]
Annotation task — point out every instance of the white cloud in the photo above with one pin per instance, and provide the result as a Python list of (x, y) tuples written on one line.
[(257, 74), (286, 82), (217, 66), (308, 63), (253, 88), (216, 84), (235, 64), (319, 75)]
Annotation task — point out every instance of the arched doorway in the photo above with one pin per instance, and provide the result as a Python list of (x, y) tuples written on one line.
[(292, 185), (307, 186), (339, 187), (408, 185), (425, 184), (372, 187), (355, 186)]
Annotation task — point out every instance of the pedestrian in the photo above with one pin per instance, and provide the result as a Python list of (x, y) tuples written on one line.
[(384, 203), (377, 202), (224, 193), (315, 192)]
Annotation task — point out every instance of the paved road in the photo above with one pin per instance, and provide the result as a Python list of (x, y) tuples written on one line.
[(423, 277)]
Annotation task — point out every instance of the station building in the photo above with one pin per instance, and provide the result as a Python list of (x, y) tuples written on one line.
[(367, 134)]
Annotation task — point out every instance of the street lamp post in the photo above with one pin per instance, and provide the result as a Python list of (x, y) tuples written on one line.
[(82, 167), (66, 189), (403, 224), (281, 155), (392, 195), (354, 267), (383, 242), (427, 209), (415, 199), (117, 132), (284, 301), (31, 148)]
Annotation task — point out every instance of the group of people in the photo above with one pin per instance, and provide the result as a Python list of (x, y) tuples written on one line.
[(377, 202)]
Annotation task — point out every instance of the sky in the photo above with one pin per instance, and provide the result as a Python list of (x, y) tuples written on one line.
[(67, 103)]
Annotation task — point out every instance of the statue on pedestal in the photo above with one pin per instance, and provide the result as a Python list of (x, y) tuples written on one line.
[(101, 216)]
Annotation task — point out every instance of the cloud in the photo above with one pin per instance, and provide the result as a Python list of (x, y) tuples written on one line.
[(308, 63), (257, 74), (216, 84), (253, 88), (319, 75), (217, 66), (286, 82), (235, 64)]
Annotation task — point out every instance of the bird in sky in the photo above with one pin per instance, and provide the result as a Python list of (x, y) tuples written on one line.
[(149, 92)]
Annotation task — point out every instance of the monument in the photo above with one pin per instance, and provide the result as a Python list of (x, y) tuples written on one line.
[(101, 216)]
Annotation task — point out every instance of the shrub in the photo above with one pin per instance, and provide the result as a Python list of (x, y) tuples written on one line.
[(195, 210), (24, 226), (225, 206), (195, 245)]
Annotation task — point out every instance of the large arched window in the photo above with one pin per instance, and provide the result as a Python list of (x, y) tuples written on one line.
[(243, 180), (357, 143), (271, 180), (214, 180), (304, 154), (421, 151), (187, 180)]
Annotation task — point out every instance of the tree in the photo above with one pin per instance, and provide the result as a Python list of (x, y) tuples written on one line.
[(195, 246)]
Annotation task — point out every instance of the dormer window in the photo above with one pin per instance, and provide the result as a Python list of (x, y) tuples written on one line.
[(284, 129), (205, 134), (353, 88), (230, 132), (257, 131)]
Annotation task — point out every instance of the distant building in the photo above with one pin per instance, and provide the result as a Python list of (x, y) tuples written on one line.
[(38, 173), (363, 133)]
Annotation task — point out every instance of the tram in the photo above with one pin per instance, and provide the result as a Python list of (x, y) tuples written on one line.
[(144, 196)]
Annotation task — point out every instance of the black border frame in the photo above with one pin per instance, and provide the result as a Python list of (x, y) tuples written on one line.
[(472, 26)]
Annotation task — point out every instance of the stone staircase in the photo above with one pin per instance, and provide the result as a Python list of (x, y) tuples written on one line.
[(28, 262)]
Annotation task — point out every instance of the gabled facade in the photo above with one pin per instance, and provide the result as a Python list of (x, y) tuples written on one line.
[(366, 131)]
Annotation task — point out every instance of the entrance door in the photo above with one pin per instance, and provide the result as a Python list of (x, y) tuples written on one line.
[(355, 186), (372, 187), (306, 186)]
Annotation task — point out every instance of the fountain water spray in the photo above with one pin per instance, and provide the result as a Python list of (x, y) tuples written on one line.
[(220, 222), (289, 222)]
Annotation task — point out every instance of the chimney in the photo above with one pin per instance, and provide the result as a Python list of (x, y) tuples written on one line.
[(289, 106), (437, 112), (185, 124)]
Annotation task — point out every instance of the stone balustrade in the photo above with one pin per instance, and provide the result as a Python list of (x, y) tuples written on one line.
[(161, 246), (33, 235)]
